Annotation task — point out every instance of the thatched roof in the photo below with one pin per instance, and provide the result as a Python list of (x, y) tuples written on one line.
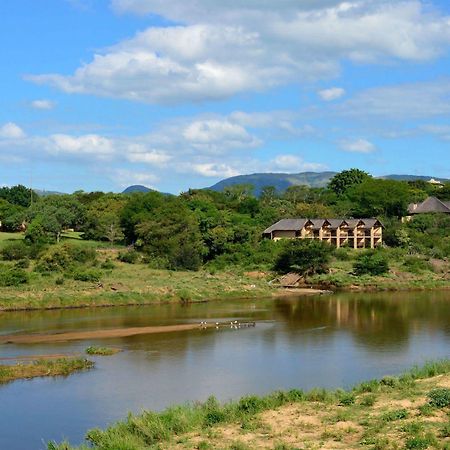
[(430, 205), (317, 224), (287, 225)]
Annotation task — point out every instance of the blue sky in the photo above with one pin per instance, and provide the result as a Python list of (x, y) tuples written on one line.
[(101, 94)]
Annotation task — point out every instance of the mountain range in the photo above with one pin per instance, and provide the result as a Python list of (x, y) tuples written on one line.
[(281, 181)]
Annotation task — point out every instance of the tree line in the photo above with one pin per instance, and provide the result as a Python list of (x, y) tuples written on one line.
[(204, 227)]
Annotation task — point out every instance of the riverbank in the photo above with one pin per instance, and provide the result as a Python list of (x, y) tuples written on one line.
[(410, 411), (123, 284), (43, 368)]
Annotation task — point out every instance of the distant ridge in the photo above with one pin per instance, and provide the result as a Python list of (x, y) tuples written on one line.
[(136, 188), (281, 181), (140, 188)]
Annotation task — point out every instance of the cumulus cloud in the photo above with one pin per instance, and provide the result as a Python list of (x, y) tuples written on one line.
[(11, 131), (331, 94), (90, 144), (357, 146), (401, 101), (218, 49), (42, 104), (213, 146), (293, 163), (213, 170)]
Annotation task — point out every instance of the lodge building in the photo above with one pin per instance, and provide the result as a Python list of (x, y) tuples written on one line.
[(354, 233)]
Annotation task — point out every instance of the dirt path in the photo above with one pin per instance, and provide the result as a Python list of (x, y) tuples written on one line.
[(96, 334)]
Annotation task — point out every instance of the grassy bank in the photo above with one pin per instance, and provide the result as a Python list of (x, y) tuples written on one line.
[(79, 273), (407, 412), (130, 284), (43, 368)]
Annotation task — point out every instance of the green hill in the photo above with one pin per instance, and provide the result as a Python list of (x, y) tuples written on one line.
[(281, 181)]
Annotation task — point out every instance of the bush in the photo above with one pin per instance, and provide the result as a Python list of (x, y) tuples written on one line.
[(14, 251), (22, 264), (90, 275), (347, 399), (81, 254), (130, 256), (304, 256), (371, 263), (55, 259), (10, 276), (439, 398), (415, 264), (108, 265)]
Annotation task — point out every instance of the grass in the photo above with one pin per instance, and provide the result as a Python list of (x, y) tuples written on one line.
[(296, 419), (102, 351), (43, 368), (114, 283), (128, 284)]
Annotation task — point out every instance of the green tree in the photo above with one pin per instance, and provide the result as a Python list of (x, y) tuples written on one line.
[(346, 179), (376, 197), (18, 195), (304, 256)]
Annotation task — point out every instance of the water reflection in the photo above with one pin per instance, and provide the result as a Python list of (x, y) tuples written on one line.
[(327, 341)]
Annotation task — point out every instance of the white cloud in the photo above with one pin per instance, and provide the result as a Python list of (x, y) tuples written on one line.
[(357, 146), (90, 144), (331, 94), (42, 104), (213, 170), (401, 101), (224, 48), (11, 131), (218, 134), (293, 163), (139, 153), (213, 146), (126, 177)]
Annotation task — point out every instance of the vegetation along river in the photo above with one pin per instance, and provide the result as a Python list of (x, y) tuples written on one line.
[(330, 341)]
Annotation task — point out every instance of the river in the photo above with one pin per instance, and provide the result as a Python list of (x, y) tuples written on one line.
[(328, 341)]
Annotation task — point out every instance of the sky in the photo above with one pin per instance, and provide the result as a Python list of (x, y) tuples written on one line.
[(179, 94)]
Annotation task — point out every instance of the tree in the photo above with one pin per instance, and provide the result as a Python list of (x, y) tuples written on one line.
[(443, 193), (56, 213), (376, 197), (304, 256), (18, 195), (346, 179), (268, 194), (12, 216)]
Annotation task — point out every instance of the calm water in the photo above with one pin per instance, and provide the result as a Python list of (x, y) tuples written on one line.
[(327, 341)]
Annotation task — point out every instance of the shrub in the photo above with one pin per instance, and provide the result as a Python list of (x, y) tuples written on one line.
[(22, 264), (90, 275), (368, 400), (81, 254), (108, 265), (59, 281), (304, 256), (14, 251), (343, 254), (10, 276), (347, 399), (55, 259), (439, 397), (130, 256), (397, 414), (415, 264), (371, 263)]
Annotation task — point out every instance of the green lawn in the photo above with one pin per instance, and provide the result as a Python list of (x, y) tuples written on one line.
[(8, 237)]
